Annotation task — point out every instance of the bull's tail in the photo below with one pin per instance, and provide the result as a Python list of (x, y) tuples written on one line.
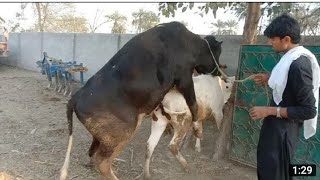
[(64, 169)]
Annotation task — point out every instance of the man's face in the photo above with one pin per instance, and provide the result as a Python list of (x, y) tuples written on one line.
[(278, 44)]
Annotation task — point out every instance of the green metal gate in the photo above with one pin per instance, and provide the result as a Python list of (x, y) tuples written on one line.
[(245, 132)]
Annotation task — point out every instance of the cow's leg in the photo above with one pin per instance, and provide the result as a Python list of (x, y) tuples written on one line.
[(198, 140), (113, 134), (103, 160), (181, 126), (185, 86), (157, 128), (187, 141)]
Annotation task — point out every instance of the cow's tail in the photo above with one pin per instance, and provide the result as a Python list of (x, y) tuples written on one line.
[(64, 169)]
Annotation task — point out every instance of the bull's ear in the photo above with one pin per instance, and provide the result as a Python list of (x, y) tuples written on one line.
[(219, 43)]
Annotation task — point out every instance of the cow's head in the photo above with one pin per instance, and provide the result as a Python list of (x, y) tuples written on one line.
[(206, 62), (227, 87)]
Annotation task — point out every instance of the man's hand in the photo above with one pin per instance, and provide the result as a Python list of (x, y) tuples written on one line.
[(260, 79), (259, 112)]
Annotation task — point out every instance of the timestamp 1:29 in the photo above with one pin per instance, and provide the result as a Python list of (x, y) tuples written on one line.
[(302, 170)]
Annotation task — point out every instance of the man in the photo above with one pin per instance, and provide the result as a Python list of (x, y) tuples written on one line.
[(295, 87)]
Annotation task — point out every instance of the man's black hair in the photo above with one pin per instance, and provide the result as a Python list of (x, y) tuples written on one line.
[(284, 25)]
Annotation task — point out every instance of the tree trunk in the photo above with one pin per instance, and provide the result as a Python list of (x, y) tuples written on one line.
[(223, 141), (45, 15), (251, 23), (42, 10), (39, 17)]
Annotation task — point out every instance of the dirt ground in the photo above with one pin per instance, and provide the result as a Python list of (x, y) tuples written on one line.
[(33, 140)]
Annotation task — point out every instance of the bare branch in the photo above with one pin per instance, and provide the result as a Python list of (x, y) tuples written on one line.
[(313, 13)]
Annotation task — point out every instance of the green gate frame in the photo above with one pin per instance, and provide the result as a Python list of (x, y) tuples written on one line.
[(245, 132)]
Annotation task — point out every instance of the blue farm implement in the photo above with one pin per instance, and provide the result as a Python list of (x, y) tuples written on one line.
[(62, 72)]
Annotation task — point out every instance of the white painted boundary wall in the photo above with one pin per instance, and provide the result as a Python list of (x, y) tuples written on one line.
[(94, 50)]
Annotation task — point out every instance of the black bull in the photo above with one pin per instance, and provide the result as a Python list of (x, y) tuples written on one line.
[(133, 83)]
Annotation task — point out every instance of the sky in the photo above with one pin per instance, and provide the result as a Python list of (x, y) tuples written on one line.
[(196, 23)]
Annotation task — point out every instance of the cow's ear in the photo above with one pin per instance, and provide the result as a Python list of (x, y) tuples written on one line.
[(219, 43)]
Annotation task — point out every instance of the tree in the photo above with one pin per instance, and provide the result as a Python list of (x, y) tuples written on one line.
[(231, 25), (42, 12), (251, 21), (253, 14), (95, 25), (69, 23), (220, 25), (119, 22), (250, 29), (144, 20), (225, 27), (308, 18), (13, 25), (58, 17), (307, 14)]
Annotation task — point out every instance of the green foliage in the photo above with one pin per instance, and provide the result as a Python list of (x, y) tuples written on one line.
[(308, 14), (119, 22), (225, 27), (144, 20), (239, 9), (168, 9)]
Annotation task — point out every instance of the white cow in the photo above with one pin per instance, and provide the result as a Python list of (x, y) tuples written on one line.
[(211, 94)]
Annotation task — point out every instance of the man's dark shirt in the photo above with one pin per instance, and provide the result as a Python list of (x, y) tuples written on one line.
[(279, 137)]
